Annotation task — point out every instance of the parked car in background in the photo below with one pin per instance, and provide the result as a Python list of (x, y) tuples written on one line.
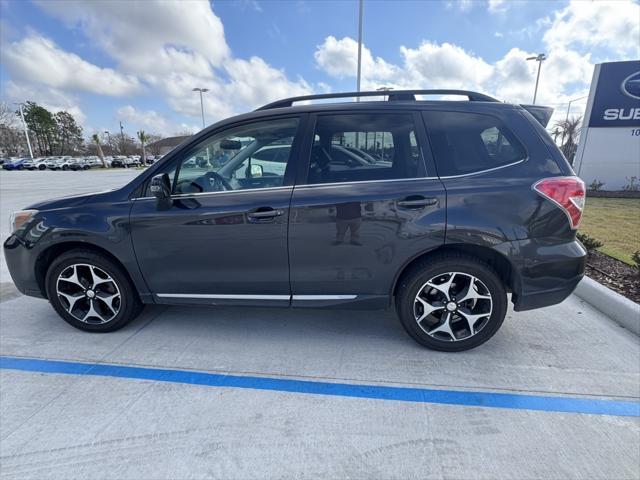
[(119, 161), (468, 202), (14, 164), (38, 163), (79, 164)]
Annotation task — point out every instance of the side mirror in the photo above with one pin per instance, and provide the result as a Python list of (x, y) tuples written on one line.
[(256, 170), (161, 187)]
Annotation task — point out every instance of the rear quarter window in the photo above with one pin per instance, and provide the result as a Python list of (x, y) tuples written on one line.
[(464, 143)]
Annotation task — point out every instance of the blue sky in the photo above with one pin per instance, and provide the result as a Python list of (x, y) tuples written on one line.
[(137, 62)]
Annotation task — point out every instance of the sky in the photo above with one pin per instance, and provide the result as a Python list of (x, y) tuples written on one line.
[(138, 61)]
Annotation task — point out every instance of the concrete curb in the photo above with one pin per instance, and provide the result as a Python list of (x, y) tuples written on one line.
[(620, 309)]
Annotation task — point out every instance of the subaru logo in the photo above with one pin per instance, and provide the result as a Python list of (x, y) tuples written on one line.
[(631, 85)]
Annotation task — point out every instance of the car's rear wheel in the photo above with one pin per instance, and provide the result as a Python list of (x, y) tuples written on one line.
[(42, 167), (451, 302), (91, 292)]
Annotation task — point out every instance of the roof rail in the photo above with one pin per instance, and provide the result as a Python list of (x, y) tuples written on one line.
[(394, 95)]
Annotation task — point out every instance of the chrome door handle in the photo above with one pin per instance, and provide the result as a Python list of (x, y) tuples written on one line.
[(265, 213), (416, 203)]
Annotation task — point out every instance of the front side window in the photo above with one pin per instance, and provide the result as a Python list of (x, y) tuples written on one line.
[(362, 147), (245, 157), (469, 142)]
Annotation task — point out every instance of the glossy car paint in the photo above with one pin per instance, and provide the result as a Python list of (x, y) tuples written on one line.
[(206, 245)]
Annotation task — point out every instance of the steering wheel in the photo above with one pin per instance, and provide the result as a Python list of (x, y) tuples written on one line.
[(214, 179)]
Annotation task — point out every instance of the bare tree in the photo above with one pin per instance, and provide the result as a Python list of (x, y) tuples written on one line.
[(8, 116)]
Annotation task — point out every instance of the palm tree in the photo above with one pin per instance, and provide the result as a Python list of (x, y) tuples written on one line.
[(570, 130), (143, 137), (96, 140)]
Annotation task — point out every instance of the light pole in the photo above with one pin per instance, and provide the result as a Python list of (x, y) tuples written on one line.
[(541, 57), (201, 90), (26, 131), (360, 8), (109, 141), (569, 106), (121, 137)]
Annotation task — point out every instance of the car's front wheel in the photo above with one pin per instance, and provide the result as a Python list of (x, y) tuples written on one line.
[(91, 292), (451, 302)]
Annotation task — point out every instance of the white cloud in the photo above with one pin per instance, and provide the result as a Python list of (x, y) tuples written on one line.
[(151, 122), (36, 59), (173, 48), (52, 99), (614, 25), (497, 6), (511, 78), (339, 58)]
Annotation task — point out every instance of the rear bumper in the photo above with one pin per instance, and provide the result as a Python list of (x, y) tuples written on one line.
[(544, 273)]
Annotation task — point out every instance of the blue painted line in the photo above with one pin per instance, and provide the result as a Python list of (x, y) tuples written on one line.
[(419, 395)]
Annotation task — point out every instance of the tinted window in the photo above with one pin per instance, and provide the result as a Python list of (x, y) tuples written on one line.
[(469, 142), (245, 157), (360, 147)]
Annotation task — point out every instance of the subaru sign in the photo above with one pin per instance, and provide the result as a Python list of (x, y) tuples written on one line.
[(609, 147), (617, 97), (631, 85)]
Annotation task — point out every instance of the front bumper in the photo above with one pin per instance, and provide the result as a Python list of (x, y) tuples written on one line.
[(22, 268), (544, 272)]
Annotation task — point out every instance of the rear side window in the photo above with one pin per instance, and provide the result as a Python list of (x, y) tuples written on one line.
[(362, 147), (469, 142)]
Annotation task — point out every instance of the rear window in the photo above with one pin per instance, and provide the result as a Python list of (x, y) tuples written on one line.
[(364, 147), (465, 143)]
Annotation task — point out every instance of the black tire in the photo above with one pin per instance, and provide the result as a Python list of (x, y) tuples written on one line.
[(130, 305), (413, 280), (42, 167)]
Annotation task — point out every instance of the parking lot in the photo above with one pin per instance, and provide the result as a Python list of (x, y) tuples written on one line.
[(271, 393)]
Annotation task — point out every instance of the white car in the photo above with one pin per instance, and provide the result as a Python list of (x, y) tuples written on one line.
[(38, 163)]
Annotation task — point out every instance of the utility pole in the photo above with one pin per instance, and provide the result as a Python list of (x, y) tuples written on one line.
[(121, 137), (360, 9), (541, 57), (201, 90), (26, 131), (569, 106)]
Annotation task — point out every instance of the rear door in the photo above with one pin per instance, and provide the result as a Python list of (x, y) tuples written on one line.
[(366, 202)]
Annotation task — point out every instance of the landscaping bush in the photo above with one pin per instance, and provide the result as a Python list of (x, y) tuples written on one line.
[(636, 259), (589, 243)]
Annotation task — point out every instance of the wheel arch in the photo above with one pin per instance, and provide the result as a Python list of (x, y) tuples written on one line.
[(48, 255), (496, 260)]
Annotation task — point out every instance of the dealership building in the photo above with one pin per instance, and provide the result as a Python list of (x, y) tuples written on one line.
[(609, 147)]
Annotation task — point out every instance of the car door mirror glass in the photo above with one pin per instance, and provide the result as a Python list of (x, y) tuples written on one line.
[(256, 170), (160, 187)]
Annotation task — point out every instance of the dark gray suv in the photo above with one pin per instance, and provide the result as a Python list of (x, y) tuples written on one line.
[(441, 207)]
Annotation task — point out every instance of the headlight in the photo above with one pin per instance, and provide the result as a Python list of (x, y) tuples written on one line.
[(20, 218)]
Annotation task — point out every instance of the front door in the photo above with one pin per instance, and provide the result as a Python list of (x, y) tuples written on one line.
[(371, 203), (223, 236)]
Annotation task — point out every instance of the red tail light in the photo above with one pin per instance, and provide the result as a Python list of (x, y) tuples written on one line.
[(567, 193)]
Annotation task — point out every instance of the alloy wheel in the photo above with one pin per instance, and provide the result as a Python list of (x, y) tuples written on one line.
[(88, 293), (453, 306)]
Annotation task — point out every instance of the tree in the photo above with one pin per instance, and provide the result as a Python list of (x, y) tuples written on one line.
[(143, 138), (7, 116), (96, 140), (570, 131), (42, 125), (68, 134)]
